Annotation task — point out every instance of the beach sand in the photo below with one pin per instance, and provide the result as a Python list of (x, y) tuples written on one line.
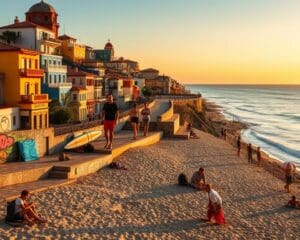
[(144, 202)]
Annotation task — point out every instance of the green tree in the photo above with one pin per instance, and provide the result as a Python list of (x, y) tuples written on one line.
[(147, 92), (60, 116), (9, 36)]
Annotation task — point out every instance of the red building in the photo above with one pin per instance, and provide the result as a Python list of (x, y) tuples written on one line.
[(43, 14)]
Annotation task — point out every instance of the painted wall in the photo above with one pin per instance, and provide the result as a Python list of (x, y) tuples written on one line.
[(9, 119)]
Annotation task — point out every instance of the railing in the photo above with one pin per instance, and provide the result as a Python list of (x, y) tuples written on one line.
[(55, 67), (65, 84), (33, 98), (25, 72), (178, 96)]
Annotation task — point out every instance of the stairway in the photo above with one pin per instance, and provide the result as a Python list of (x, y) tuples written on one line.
[(60, 172), (152, 126)]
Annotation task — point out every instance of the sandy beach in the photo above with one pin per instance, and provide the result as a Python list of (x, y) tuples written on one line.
[(144, 202)]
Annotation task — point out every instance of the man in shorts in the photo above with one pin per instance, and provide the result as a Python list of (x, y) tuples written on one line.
[(110, 115)]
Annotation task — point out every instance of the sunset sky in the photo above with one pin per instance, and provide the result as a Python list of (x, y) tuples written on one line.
[(194, 41)]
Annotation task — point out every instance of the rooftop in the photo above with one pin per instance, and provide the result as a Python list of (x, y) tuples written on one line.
[(24, 24), (41, 7)]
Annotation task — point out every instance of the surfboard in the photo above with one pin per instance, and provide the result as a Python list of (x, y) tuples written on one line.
[(83, 139)]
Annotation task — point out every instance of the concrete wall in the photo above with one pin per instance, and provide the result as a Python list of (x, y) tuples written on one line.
[(9, 119), (44, 139)]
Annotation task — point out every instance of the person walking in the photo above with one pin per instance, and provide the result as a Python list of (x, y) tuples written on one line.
[(250, 150), (146, 112), (289, 169), (238, 145), (135, 120), (110, 115), (258, 156), (214, 208)]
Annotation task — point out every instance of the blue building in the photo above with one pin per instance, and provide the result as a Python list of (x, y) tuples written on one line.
[(103, 55), (55, 78)]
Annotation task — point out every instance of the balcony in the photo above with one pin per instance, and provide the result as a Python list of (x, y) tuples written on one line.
[(57, 85), (35, 73), (55, 68), (35, 98), (50, 41)]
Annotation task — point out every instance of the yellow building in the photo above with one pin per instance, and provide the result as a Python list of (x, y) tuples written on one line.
[(71, 50), (22, 85), (78, 103)]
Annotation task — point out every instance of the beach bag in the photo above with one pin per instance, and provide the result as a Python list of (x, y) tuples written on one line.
[(28, 150), (182, 180), (10, 211)]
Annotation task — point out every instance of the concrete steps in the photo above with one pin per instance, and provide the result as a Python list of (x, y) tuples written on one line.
[(60, 172), (12, 192), (182, 133)]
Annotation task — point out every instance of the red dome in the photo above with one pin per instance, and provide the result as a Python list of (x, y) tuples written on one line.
[(108, 46)]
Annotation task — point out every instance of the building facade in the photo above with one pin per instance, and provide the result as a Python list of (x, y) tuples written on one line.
[(9, 119), (71, 50), (22, 85)]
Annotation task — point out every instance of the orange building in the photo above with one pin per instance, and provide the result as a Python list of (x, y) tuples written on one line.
[(22, 85)]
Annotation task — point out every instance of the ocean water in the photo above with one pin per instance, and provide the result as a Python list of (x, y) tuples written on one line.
[(271, 112)]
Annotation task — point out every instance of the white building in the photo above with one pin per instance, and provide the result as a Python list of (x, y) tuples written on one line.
[(9, 119)]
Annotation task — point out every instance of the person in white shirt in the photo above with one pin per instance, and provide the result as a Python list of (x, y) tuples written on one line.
[(214, 210), (26, 211)]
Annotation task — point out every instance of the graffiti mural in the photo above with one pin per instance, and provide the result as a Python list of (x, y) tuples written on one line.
[(7, 147)]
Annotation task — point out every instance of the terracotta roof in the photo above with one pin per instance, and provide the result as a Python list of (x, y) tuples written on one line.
[(78, 89), (76, 72), (7, 48), (66, 37), (149, 70), (41, 7), (24, 24)]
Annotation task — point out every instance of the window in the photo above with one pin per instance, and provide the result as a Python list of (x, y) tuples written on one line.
[(50, 62), (54, 62), (46, 19), (45, 62), (36, 88), (14, 121), (64, 78), (27, 89), (41, 121), (54, 78), (36, 64), (23, 64), (59, 78), (75, 97), (50, 78), (29, 61)]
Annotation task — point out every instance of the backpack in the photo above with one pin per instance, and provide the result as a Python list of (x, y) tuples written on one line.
[(10, 211), (182, 180)]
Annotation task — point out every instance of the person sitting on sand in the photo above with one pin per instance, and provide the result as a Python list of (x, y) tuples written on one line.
[(293, 203), (198, 179), (26, 210), (214, 210), (289, 168)]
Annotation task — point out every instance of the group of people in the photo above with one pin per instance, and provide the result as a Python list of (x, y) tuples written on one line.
[(214, 209), (110, 116)]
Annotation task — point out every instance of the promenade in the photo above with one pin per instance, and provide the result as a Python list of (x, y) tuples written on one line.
[(144, 202)]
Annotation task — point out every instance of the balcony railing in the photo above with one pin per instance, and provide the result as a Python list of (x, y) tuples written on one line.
[(34, 98), (25, 72), (55, 67), (65, 84)]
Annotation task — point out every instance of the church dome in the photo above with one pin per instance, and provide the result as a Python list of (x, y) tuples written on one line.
[(108, 46), (41, 7)]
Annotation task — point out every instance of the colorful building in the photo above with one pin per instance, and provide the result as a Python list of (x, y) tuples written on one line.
[(78, 103), (124, 65), (105, 55), (54, 82), (71, 50), (149, 73), (84, 80), (22, 85)]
